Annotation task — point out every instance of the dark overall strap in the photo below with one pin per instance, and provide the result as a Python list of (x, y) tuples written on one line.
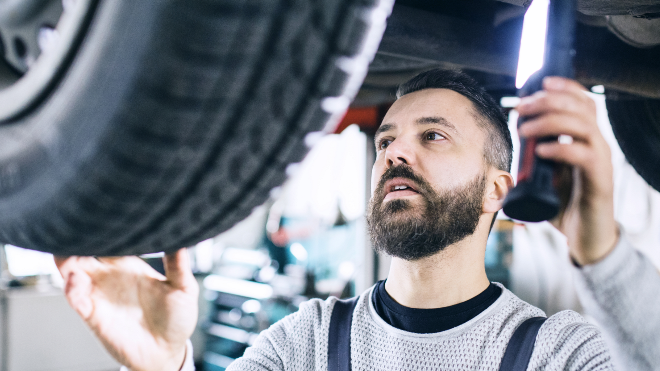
[(339, 335), (520, 348)]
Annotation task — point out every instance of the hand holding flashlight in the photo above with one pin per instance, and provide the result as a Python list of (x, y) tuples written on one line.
[(585, 184)]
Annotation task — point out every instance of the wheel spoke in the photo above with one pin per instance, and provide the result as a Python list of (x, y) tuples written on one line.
[(21, 38)]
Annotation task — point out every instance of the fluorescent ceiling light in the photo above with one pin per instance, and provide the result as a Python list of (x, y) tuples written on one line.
[(238, 287), (532, 43)]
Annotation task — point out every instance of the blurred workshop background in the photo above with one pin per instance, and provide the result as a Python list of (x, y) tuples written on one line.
[(307, 241)]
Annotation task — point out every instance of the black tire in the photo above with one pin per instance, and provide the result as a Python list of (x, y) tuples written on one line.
[(636, 125), (176, 118)]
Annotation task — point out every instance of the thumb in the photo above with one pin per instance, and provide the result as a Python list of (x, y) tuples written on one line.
[(177, 269)]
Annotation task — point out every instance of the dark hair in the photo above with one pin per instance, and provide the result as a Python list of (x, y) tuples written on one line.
[(498, 149)]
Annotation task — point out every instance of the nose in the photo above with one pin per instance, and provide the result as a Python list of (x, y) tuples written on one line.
[(399, 152)]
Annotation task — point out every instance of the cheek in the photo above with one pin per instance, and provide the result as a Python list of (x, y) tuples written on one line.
[(451, 174), (376, 173)]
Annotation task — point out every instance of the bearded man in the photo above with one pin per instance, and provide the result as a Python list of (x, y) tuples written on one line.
[(440, 177)]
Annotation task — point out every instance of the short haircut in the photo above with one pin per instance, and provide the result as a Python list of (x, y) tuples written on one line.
[(499, 147)]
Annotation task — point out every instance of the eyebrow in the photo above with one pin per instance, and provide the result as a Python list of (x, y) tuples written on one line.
[(436, 120), (384, 128), (421, 121)]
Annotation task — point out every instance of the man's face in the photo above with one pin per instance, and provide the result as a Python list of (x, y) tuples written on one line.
[(429, 176)]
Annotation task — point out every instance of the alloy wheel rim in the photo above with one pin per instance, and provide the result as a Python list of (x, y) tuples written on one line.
[(37, 41)]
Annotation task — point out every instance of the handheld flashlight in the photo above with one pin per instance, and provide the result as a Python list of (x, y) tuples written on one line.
[(546, 49)]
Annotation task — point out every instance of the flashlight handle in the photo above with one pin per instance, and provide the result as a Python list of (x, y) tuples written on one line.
[(534, 199)]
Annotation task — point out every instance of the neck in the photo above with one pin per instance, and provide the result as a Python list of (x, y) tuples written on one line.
[(451, 276)]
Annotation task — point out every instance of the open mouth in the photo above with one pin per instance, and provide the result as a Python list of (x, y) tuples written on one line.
[(399, 187)]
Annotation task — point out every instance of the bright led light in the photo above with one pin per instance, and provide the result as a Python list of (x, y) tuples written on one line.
[(532, 43)]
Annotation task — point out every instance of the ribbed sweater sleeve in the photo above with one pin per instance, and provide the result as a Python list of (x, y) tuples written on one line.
[(622, 293)]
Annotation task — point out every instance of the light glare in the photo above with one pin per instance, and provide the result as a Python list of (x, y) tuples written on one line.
[(23, 263), (238, 287), (509, 102), (532, 43), (298, 251)]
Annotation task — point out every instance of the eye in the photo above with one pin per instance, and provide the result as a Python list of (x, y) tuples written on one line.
[(433, 136), (383, 143)]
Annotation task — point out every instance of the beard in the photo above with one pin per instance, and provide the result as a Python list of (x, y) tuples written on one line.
[(400, 229)]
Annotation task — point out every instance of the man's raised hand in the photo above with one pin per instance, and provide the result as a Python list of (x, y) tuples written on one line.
[(142, 317), (587, 218)]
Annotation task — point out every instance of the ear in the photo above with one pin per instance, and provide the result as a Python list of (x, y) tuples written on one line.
[(498, 186)]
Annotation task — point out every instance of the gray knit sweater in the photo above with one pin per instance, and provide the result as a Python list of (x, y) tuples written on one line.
[(622, 293), (300, 341)]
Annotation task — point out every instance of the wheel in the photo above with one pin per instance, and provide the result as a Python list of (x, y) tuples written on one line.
[(129, 127), (636, 125)]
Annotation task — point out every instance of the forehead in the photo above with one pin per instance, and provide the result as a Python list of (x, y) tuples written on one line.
[(447, 104)]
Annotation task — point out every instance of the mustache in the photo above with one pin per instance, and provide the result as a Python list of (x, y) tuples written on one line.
[(406, 172)]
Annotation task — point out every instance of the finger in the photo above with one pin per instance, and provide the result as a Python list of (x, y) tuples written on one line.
[(78, 291), (558, 124), (558, 83), (87, 264), (576, 154), (177, 269), (131, 265), (62, 263), (78, 286), (556, 101), (117, 260)]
